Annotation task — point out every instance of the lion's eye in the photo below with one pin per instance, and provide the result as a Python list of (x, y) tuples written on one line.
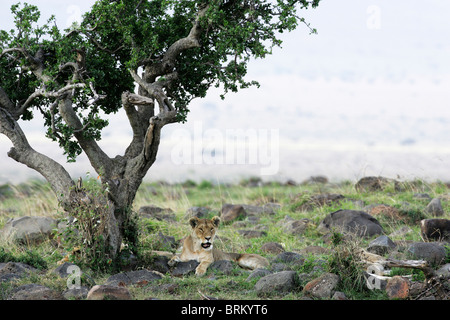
[(201, 230), (212, 230)]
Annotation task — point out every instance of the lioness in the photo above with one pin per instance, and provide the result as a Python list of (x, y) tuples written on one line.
[(199, 246)]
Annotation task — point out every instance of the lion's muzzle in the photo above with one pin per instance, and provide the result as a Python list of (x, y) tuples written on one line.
[(207, 244)]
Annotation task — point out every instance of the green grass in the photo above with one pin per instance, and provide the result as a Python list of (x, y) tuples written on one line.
[(36, 199)]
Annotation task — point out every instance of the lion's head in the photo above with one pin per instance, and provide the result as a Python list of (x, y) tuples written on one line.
[(204, 230)]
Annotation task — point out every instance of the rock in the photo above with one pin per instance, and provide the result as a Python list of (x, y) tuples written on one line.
[(199, 212), (62, 270), (320, 200), (381, 245), (35, 292), (76, 293), (16, 267), (240, 224), (444, 271), (294, 227), (252, 233), (417, 288), (159, 263), (322, 287), (434, 208), (338, 295), (231, 212), (315, 180), (272, 247), (154, 212), (278, 267), (258, 273), (251, 220), (359, 223), (397, 288), (315, 250), (166, 243), (171, 288), (28, 230), (370, 184), (271, 207), (128, 261), (14, 270), (383, 210), (184, 268), (7, 277), (435, 229), (222, 266), (138, 277), (287, 261), (432, 252), (277, 283), (290, 183), (289, 257), (268, 208), (319, 266), (108, 292), (424, 196), (252, 182)]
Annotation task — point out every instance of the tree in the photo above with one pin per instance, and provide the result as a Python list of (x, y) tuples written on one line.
[(172, 50)]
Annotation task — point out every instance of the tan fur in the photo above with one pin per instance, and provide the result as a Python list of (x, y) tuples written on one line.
[(199, 246)]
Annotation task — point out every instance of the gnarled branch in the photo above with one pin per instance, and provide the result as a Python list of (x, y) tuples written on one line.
[(155, 90), (22, 152), (97, 157), (36, 65), (6, 103), (41, 92), (167, 63), (139, 119), (370, 258)]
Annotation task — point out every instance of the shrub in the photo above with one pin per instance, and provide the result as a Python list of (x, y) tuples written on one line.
[(84, 237), (345, 262), (204, 184)]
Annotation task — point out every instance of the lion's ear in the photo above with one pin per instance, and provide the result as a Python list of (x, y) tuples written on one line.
[(215, 220), (193, 222)]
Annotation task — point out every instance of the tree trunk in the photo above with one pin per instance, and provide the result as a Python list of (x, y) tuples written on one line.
[(102, 217)]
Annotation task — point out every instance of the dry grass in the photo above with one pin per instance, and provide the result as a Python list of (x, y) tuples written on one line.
[(36, 199)]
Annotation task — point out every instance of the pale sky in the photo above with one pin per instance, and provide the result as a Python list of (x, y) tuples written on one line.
[(375, 79)]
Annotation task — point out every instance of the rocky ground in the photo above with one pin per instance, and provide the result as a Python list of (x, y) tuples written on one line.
[(317, 240)]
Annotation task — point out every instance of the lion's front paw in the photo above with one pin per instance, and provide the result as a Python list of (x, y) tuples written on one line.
[(200, 271), (172, 261)]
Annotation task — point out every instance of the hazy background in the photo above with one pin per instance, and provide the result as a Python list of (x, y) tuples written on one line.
[(368, 95)]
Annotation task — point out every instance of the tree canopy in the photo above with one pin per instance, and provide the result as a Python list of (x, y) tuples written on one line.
[(184, 48), (149, 57)]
